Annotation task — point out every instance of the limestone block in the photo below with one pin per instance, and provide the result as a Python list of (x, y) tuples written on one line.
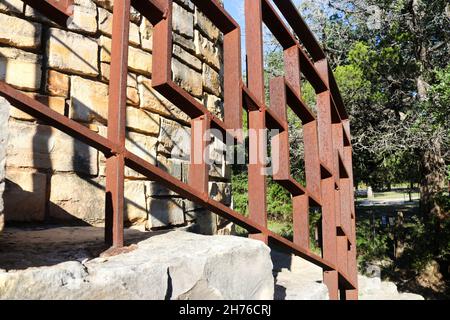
[(73, 53), (143, 146), (58, 83), (173, 265), (146, 31), (20, 69), (214, 104), (221, 192), (25, 195), (153, 101), (219, 170), (57, 104), (165, 212), (142, 121), (73, 198), (155, 189), (135, 202), (174, 167), (186, 57), (139, 61), (187, 44), (217, 149), (15, 6), (4, 132), (294, 286), (187, 78), (182, 21), (19, 33), (105, 25), (43, 147), (89, 100), (207, 27), (212, 81), (174, 140), (206, 50), (84, 18)]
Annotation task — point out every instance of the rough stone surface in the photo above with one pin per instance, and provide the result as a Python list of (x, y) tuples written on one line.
[(72, 52), (375, 289), (212, 80), (207, 50), (188, 79), (4, 115), (58, 83), (214, 105), (19, 33), (165, 212), (182, 22), (84, 18), (204, 24), (20, 69), (297, 279), (142, 121), (174, 140), (160, 267), (151, 100), (73, 198), (15, 6), (25, 195), (186, 57), (135, 203), (146, 31), (42, 147), (89, 100)]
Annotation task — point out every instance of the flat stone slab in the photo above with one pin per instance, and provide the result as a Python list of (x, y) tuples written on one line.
[(164, 265)]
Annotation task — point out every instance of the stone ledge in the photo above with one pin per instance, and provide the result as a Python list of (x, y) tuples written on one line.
[(172, 265)]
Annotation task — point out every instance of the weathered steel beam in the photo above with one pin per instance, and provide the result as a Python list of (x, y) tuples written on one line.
[(57, 10), (115, 165)]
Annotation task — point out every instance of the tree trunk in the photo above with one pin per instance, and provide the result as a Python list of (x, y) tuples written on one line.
[(432, 180)]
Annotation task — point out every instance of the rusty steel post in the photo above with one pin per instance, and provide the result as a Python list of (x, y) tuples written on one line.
[(300, 204), (233, 80), (256, 119), (329, 233), (199, 168), (352, 260), (300, 210), (281, 163), (115, 164)]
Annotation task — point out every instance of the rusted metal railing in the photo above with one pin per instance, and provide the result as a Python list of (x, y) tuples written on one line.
[(328, 151)]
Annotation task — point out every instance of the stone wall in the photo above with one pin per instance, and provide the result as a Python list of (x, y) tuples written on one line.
[(4, 116), (52, 177)]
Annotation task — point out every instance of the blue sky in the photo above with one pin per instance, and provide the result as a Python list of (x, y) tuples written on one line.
[(235, 8)]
